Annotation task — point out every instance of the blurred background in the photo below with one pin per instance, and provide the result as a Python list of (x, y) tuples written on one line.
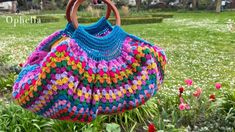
[(11, 6)]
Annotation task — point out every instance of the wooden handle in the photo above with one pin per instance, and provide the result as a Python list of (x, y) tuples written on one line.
[(70, 6), (69, 9), (110, 6), (108, 12)]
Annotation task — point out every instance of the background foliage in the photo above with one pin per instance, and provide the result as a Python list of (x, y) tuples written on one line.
[(199, 46)]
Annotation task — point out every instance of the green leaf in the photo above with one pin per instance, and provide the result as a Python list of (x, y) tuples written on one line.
[(37, 126), (113, 127)]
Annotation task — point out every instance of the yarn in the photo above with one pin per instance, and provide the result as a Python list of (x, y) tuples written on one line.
[(89, 75)]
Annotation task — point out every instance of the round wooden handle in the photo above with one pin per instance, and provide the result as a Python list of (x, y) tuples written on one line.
[(108, 12), (69, 9), (108, 2), (70, 6)]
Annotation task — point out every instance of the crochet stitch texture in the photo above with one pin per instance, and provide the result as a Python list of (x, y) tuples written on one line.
[(89, 75)]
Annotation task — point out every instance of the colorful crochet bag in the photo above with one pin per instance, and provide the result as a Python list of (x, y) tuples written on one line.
[(86, 75)]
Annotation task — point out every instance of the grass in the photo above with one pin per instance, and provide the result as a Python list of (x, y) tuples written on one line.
[(198, 46)]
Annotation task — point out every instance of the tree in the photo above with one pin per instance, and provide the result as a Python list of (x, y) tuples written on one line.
[(49, 4), (138, 4), (44, 3), (218, 6), (194, 4), (120, 3), (184, 3), (14, 3), (61, 3), (23, 3), (148, 3)]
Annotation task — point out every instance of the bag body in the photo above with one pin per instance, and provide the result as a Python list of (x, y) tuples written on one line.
[(89, 75)]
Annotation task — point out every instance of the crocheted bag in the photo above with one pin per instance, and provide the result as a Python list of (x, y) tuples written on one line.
[(85, 76)]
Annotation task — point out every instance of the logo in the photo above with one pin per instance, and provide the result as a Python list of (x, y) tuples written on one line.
[(22, 20)]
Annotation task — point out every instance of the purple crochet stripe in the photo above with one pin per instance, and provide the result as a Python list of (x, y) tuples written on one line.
[(49, 39)]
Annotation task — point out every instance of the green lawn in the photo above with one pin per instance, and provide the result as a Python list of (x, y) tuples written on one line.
[(198, 46)]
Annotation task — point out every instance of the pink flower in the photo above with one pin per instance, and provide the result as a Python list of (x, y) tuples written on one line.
[(182, 106), (217, 86), (198, 92), (189, 82), (187, 106), (181, 100)]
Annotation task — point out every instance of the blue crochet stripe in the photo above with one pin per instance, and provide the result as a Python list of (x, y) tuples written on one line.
[(101, 48), (25, 70), (98, 26), (69, 30), (94, 28)]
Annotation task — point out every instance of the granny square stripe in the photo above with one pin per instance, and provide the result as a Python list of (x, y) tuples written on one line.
[(89, 75)]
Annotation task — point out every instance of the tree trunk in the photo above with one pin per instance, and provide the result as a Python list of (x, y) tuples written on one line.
[(233, 3), (148, 2), (138, 4), (13, 10), (194, 4), (218, 6)]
